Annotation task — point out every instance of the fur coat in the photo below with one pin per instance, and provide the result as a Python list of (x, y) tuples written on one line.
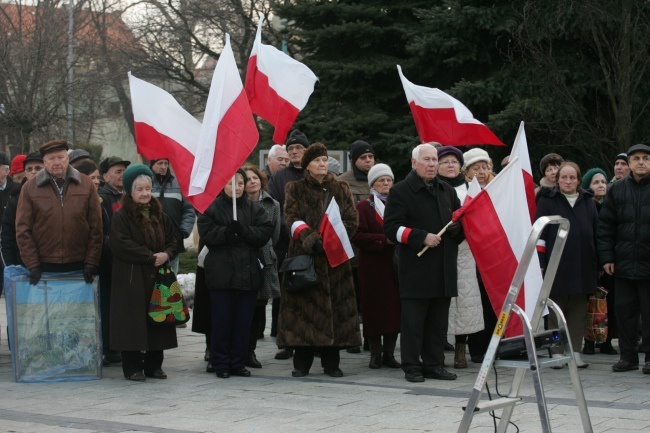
[(327, 314), (133, 241)]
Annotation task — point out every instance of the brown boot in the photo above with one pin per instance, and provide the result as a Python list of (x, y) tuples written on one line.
[(460, 361), (375, 360), (388, 359)]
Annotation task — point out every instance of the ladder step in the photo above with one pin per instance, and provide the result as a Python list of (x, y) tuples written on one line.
[(542, 361), (498, 403)]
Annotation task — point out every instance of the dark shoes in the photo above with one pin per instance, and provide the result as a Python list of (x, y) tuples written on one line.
[(242, 372), (206, 356), (388, 359), (440, 374), (299, 373), (333, 372), (223, 374), (414, 375), (608, 349), (112, 357), (252, 361), (284, 353), (449, 347), (136, 377), (646, 368), (589, 348), (353, 349), (477, 359), (375, 361), (623, 365), (210, 368), (156, 374)]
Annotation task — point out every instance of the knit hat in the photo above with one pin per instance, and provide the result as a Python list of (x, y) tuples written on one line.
[(358, 148), (622, 156), (333, 165), (131, 173), (17, 165), (297, 137), (52, 146), (78, 154), (451, 150), (473, 156), (550, 159), (638, 148), (32, 157), (313, 152), (377, 171), (111, 161), (4, 159), (589, 175), (153, 161)]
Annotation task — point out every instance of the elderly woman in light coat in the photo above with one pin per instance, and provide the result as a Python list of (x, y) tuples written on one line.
[(465, 311)]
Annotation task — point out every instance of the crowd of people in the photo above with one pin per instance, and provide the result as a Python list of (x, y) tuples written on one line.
[(407, 280)]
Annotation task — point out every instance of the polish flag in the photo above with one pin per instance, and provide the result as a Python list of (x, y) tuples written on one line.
[(520, 149), (335, 238), (442, 118), (379, 209), (204, 155), (278, 87), (497, 224)]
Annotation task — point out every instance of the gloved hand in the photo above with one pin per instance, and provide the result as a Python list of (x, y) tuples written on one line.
[(237, 227), (89, 273), (318, 247), (455, 228), (34, 276)]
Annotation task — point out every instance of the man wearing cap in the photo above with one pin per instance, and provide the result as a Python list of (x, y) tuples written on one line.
[(417, 209), (277, 160), (622, 242), (295, 146), (58, 219), (621, 167), (6, 184), (79, 155), (362, 159), (111, 170), (168, 192)]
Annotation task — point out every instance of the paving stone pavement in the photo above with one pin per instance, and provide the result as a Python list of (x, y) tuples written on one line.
[(271, 401)]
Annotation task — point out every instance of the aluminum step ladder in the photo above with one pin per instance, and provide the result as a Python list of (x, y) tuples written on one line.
[(530, 330)]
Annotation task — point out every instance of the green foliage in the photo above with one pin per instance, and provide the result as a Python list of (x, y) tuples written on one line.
[(187, 261)]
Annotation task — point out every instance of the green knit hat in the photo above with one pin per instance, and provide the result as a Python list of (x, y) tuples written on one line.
[(131, 172), (589, 175)]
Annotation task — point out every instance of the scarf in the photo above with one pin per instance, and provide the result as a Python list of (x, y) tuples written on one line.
[(453, 181), (382, 197)]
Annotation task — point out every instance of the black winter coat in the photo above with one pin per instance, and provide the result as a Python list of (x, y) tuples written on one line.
[(10, 252), (410, 204), (577, 272), (234, 261), (277, 185), (624, 228)]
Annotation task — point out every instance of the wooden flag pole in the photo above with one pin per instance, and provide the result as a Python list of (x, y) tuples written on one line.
[(442, 232)]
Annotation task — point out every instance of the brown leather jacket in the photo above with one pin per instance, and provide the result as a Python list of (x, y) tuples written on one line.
[(50, 229)]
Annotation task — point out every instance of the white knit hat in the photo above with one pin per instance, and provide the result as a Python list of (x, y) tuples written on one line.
[(377, 171), (475, 155)]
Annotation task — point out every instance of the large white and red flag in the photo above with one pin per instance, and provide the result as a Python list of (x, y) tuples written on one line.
[(520, 149), (442, 118), (204, 155), (497, 224), (336, 243), (278, 86)]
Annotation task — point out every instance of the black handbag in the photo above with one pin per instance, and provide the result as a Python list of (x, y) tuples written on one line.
[(299, 273)]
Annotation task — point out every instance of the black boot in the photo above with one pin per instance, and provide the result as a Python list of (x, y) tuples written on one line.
[(375, 361), (589, 348)]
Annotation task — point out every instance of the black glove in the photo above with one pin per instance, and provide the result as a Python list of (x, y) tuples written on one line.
[(35, 276), (237, 227), (455, 229), (89, 273), (318, 247)]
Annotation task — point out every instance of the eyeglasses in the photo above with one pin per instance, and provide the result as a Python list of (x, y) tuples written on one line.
[(295, 147), (452, 162)]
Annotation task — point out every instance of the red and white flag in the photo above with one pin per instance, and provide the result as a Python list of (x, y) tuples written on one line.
[(497, 224), (335, 238), (204, 156), (379, 209), (278, 87), (520, 149), (442, 118)]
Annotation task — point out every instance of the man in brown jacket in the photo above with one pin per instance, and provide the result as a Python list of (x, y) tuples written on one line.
[(58, 219)]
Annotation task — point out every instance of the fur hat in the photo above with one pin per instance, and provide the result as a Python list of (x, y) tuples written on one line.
[(451, 150), (550, 159), (358, 148), (52, 146), (17, 165), (589, 175), (475, 155), (377, 171), (297, 137), (131, 173), (313, 152)]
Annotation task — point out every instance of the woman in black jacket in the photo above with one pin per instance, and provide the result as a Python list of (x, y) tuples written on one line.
[(233, 271), (577, 271)]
